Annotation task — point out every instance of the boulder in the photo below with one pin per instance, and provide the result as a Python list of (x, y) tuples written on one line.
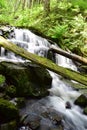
[(81, 101), (8, 111), (29, 79)]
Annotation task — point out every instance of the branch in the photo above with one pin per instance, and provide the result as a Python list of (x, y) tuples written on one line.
[(72, 56)]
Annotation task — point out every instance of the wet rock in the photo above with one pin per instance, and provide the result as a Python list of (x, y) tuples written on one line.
[(53, 115), (20, 102), (8, 111), (59, 128), (32, 120), (1, 33), (68, 105), (48, 118), (45, 124), (5, 28), (51, 56), (52, 120), (29, 80), (81, 101), (25, 128), (7, 31)]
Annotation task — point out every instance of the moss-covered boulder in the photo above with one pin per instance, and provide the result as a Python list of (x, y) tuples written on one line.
[(29, 79), (8, 111), (81, 101)]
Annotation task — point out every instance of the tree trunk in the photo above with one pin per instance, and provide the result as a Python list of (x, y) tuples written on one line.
[(46, 6), (67, 73), (72, 56), (23, 4)]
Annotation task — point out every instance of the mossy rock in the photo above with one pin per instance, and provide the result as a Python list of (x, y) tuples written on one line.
[(29, 79), (2, 79), (9, 126), (10, 91), (81, 101), (85, 111), (20, 102), (8, 111), (2, 83)]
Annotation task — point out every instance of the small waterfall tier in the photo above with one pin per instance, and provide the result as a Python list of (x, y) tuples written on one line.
[(27, 40)]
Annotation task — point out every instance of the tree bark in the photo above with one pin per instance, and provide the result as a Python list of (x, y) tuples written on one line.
[(72, 56), (67, 73), (46, 6)]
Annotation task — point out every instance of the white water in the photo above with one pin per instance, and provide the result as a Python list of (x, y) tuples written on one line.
[(60, 92)]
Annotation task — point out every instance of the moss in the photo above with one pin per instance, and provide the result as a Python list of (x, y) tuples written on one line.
[(40, 73), (81, 101), (20, 102), (85, 111), (8, 111), (11, 91), (28, 79), (2, 79)]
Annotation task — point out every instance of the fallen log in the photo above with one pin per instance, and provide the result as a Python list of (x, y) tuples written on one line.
[(46, 63), (72, 56)]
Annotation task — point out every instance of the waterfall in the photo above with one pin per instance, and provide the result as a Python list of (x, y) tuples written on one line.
[(61, 93)]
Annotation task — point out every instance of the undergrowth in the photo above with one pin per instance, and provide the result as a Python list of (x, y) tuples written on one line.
[(65, 23)]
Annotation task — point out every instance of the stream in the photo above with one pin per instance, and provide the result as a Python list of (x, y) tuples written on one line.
[(60, 92)]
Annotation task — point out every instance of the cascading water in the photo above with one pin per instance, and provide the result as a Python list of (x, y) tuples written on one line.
[(60, 93)]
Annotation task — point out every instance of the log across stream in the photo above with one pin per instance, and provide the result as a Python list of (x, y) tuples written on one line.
[(67, 73)]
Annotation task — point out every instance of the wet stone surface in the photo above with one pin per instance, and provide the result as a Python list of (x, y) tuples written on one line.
[(37, 116)]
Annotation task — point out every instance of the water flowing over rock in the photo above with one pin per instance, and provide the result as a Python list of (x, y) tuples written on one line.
[(39, 116)]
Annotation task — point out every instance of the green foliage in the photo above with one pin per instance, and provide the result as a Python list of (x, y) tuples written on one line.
[(2, 4), (2, 79), (82, 4), (66, 21), (58, 31)]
